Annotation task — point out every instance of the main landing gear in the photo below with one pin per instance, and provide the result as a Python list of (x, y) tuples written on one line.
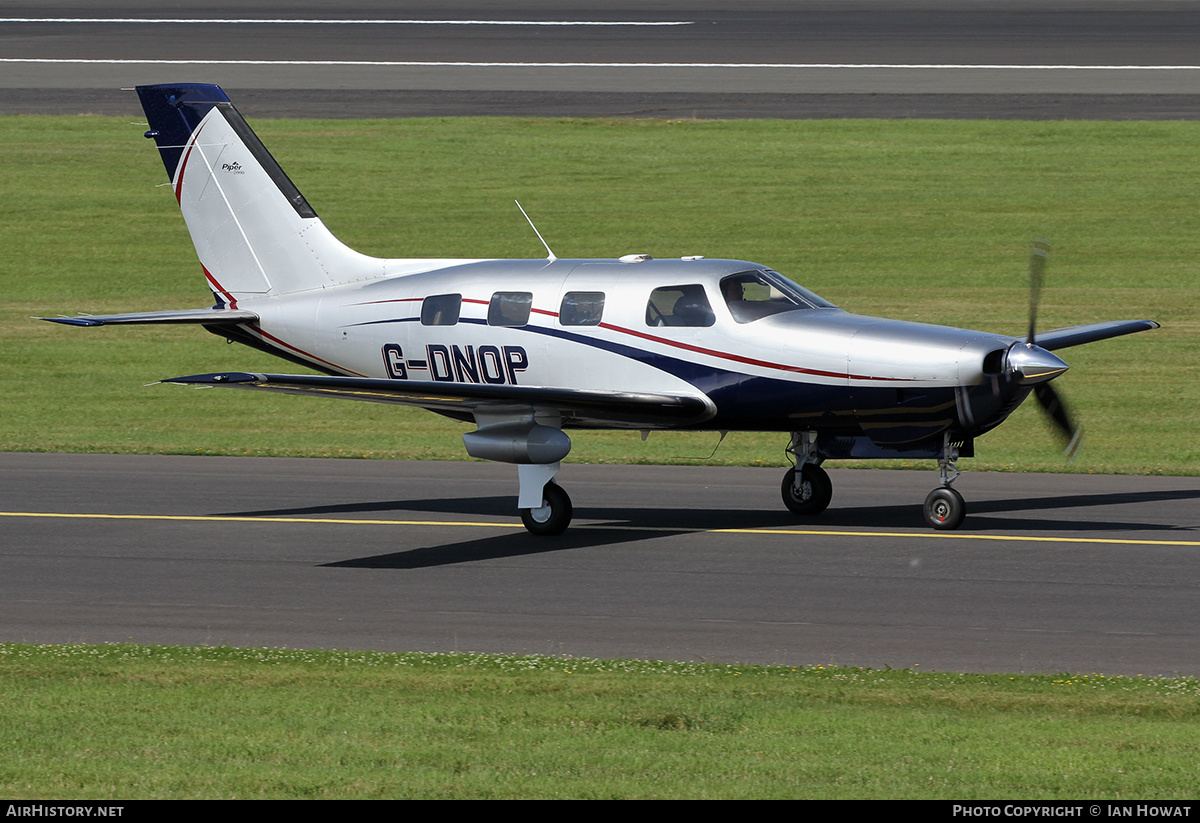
[(807, 489), (553, 516), (545, 508)]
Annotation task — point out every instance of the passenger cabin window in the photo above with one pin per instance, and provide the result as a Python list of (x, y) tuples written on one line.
[(440, 309), (752, 295), (581, 308), (679, 306), (509, 308)]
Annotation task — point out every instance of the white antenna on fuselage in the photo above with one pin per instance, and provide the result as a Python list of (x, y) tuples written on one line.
[(549, 254)]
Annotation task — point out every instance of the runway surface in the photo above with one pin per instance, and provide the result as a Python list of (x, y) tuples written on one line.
[(1115, 59), (1050, 573)]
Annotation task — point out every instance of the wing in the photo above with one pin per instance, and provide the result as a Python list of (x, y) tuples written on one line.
[(577, 407), (200, 317), (1077, 335)]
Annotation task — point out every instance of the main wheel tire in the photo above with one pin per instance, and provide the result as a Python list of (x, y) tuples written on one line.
[(814, 493), (945, 509), (554, 515)]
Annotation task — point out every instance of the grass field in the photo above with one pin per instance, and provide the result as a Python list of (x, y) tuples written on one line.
[(926, 221), (141, 722)]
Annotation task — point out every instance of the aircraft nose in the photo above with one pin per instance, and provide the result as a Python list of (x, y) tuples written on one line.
[(1031, 364)]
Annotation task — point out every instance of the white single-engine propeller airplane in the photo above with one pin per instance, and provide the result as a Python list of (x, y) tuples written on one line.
[(525, 349)]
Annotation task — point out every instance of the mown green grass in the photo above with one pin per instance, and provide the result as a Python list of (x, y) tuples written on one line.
[(927, 221), (156, 722)]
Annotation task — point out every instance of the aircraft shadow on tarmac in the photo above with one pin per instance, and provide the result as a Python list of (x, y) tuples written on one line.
[(497, 547), (977, 519), (615, 526)]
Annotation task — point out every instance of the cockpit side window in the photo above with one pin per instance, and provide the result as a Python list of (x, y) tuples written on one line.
[(752, 295), (440, 309), (679, 306)]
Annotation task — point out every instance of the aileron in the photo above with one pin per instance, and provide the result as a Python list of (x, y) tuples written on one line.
[(1091, 333)]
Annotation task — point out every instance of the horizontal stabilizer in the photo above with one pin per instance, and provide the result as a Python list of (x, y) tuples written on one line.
[(200, 317), (578, 406), (1078, 335)]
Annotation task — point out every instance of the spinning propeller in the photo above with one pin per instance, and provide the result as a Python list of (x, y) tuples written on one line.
[(1037, 364)]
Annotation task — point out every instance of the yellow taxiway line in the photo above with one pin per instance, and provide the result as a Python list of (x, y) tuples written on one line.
[(955, 535)]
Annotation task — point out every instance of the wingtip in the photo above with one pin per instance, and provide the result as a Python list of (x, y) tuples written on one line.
[(82, 320), (214, 379)]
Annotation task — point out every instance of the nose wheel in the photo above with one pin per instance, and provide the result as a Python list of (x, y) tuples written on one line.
[(945, 509)]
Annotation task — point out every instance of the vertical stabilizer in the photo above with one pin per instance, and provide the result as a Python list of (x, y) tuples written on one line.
[(254, 232)]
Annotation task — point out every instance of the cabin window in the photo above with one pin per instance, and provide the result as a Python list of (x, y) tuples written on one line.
[(509, 308), (751, 295), (440, 309), (679, 306), (581, 308)]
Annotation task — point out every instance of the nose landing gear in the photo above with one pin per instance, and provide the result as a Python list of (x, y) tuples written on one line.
[(944, 506)]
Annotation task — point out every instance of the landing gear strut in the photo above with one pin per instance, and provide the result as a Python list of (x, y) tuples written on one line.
[(945, 507), (806, 489)]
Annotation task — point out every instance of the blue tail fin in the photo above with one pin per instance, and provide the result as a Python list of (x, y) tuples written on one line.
[(253, 230)]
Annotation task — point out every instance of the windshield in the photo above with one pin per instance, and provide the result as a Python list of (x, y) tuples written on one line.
[(752, 295)]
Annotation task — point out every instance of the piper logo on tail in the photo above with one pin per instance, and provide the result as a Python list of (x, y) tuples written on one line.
[(457, 364), (233, 168)]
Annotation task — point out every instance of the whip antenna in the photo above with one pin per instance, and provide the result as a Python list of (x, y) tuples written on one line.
[(549, 254)]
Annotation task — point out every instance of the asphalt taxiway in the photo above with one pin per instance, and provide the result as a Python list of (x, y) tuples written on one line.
[(1050, 572), (1075, 59)]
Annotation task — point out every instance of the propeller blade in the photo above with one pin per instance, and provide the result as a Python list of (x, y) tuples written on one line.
[(1053, 405), (1035, 363), (1038, 256)]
